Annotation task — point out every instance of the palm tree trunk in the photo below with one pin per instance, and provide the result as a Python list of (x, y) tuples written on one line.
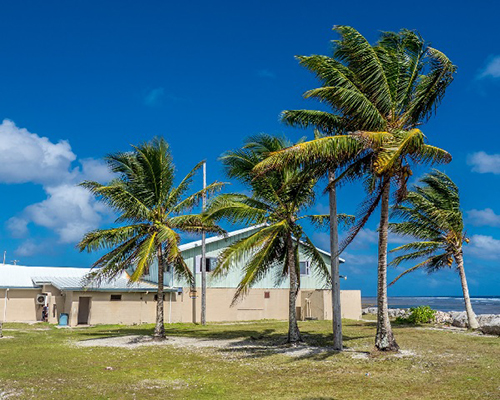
[(159, 332), (384, 340), (334, 259), (293, 328), (471, 317)]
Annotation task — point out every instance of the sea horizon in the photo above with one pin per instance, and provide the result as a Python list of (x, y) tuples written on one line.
[(480, 304)]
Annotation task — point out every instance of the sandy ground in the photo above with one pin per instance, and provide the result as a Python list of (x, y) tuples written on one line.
[(242, 346), (249, 346)]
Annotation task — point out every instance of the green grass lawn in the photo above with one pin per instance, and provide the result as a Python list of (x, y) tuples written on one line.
[(41, 362)]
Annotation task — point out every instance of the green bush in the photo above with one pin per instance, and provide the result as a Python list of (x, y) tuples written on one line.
[(419, 315)]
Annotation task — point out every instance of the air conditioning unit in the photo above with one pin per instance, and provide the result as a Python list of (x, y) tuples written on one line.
[(41, 299)]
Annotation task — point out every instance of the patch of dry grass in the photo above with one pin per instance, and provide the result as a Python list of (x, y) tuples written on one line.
[(436, 365)]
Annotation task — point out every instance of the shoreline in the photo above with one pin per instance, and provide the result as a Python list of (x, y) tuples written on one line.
[(480, 304), (488, 323)]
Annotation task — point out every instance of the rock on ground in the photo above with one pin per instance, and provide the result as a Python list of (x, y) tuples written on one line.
[(442, 317), (459, 319), (491, 326)]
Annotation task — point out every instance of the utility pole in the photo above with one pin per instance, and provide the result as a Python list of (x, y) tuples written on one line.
[(193, 293), (203, 254), (334, 255)]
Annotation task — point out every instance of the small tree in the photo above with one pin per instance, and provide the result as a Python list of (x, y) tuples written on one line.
[(154, 209), (431, 213), (277, 203)]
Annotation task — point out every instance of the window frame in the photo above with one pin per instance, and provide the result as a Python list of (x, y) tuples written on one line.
[(198, 263), (307, 268)]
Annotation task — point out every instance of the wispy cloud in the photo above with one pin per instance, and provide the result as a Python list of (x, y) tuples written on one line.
[(69, 210), (491, 69), (154, 97), (484, 247), (30, 247), (265, 73), (484, 163), (486, 217)]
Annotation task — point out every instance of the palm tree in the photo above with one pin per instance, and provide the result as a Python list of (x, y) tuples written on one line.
[(276, 205), (383, 92), (152, 210), (432, 214)]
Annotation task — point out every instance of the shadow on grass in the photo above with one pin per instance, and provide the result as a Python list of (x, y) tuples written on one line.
[(246, 340), (266, 334)]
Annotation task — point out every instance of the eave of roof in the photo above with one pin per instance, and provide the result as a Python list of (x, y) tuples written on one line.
[(213, 239)]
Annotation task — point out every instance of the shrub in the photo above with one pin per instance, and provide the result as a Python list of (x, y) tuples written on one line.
[(419, 315)]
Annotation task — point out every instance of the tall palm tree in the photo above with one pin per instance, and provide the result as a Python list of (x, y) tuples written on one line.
[(380, 159), (432, 214), (276, 205), (390, 88), (151, 211)]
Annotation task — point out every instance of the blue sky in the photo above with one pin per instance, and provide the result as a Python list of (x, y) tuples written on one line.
[(82, 79)]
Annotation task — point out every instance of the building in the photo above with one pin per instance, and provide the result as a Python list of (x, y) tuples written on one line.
[(26, 290)]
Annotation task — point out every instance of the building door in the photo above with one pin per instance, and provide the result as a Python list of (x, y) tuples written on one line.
[(83, 310)]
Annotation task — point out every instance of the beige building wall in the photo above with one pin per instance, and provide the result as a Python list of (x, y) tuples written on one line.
[(139, 308), (315, 304), (133, 308), (21, 305), (350, 304)]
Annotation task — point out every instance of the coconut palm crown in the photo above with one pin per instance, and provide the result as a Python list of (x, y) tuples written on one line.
[(151, 212), (276, 205), (431, 213), (382, 92)]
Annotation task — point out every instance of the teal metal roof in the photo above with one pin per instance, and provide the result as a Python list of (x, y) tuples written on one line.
[(120, 284), (69, 279)]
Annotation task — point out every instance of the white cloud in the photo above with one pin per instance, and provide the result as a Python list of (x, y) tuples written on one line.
[(485, 247), (486, 217), (29, 248), (365, 239), (18, 227), (95, 170), (27, 157), (154, 97), (484, 163), (369, 260), (69, 210), (492, 68)]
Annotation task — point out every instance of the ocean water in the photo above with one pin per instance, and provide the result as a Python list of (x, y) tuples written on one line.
[(480, 305)]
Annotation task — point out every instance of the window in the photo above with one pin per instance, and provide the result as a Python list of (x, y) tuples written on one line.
[(305, 268), (116, 297), (210, 263), (267, 295)]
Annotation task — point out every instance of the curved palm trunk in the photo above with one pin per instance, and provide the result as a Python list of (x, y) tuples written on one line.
[(159, 332), (471, 317), (384, 339), (334, 259), (293, 328)]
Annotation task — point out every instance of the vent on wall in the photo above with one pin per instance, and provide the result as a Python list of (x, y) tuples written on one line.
[(267, 295), (41, 299)]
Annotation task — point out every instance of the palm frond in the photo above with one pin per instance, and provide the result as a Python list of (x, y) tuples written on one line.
[(247, 247), (324, 121)]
